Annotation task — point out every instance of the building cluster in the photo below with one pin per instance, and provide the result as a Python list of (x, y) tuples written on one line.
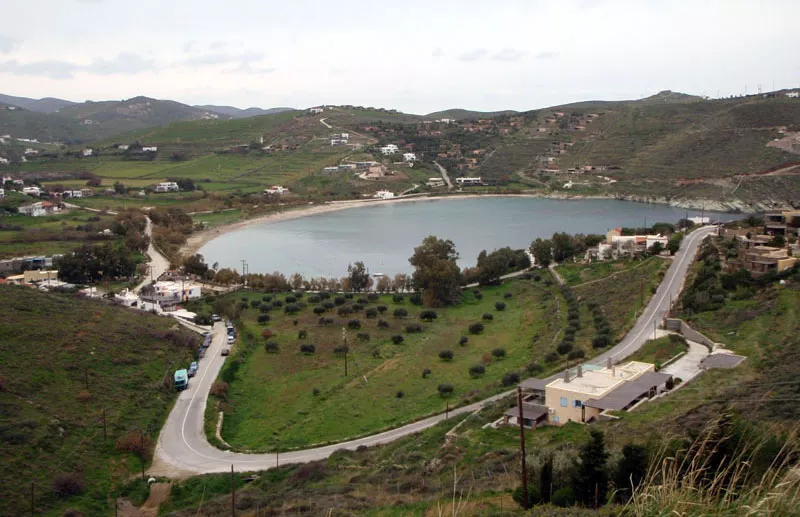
[(340, 139), (42, 279), (39, 209), (276, 190), (617, 245), (759, 254), (166, 186)]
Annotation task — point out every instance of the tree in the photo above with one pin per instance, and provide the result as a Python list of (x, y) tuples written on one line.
[(446, 355), (656, 248), (358, 276), (436, 273), (384, 284), (542, 252), (563, 247), (546, 479), (491, 267), (674, 243), (119, 188), (591, 476), (631, 471), (195, 265)]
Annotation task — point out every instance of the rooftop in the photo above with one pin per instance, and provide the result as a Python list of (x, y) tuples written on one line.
[(624, 395), (599, 382)]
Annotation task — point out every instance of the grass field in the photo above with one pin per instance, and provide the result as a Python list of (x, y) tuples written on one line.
[(51, 422), (575, 274), (657, 351)]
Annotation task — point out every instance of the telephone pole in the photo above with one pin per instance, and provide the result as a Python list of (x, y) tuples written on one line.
[(522, 449), (344, 348)]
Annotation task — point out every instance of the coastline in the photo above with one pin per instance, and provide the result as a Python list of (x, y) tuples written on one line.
[(199, 239)]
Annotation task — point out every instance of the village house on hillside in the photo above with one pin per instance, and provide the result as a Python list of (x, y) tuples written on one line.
[(39, 209), (167, 186)]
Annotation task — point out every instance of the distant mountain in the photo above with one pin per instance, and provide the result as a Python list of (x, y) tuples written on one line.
[(462, 114), (234, 112), (45, 105), (45, 127)]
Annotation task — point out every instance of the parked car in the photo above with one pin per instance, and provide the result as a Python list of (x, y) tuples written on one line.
[(215, 317), (226, 351), (202, 352), (192, 369), (231, 339)]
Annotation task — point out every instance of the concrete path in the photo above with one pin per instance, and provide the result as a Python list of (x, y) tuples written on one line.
[(687, 367), (158, 264), (445, 177), (322, 121), (183, 449)]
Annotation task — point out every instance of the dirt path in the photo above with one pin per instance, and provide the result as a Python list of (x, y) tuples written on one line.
[(159, 494)]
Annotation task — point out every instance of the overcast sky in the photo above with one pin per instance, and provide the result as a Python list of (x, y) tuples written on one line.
[(414, 55)]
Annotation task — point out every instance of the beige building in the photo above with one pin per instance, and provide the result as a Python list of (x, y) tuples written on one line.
[(782, 222), (33, 276), (764, 259)]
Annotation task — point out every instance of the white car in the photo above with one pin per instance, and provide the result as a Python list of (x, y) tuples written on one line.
[(231, 339)]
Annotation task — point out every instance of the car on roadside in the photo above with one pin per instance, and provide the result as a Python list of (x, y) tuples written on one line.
[(192, 369), (231, 339), (215, 317), (225, 351)]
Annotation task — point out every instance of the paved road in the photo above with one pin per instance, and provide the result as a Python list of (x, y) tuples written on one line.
[(158, 263), (322, 121), (183, 449), (445, 177)]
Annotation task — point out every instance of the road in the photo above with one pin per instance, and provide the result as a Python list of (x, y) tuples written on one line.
[(183, 449), (445, 177), (322, 121), (158, 263)]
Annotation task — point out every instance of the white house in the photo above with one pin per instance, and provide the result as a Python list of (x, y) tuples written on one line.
[(330, 170), (87, 152), (276, 189), (123, 147), (167, 186), (347, 166), (177, 290), (435, 182), (31, 152), (338, 141), (315, 111), (32, 191), (2, 193), (409, 157), (469, 181), (4, 161), (150, 149), (38, 209), (73, 193), (446, 120), (389, 149), (793, 95), (700, 220), (383, 194)]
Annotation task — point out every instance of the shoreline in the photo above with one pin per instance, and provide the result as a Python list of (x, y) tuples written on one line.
[(199, 239)]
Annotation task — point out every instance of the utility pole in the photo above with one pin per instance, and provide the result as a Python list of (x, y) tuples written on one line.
[(233, 494), (522, 449), (344, 345)]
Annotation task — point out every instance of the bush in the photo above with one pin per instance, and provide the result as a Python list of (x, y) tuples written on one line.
[(291, 308), (601, 341), (263, 318), (383, 324), (371, 313), (291, 299), (302, 334), (319, 310), (397, 339), (265, 307), (508, 296), (499, 352), (354, 324), (488, 317), (362, 301), (339, 300), (445, 389), (510, 379), (373, 297), (476, 370), (277, 304), (244, 306), (500, 306), (426, 372), (357, 307), (578, 353), (324, 296), (551, 357), (478, 296), (382, 308), (266, 298), (416, 299), (400, 313), (534, 368), (399, 394), (220, 389), (325, 321), (67, 484), (363, 337), (463, 341), (348, 296), (564, 348), (254, 303), (328, 305), (476, 328), (345, 310), (341, 350), (446, 355), (428, 315), (266, 333), (307, 348), (398, 298), (413, 328), (315, 391), (313, 299), (271, 347), (563, 497), (533, 496)]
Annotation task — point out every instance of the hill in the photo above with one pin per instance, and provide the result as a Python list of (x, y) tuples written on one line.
[(462, 114), (45, 105), (45, 127), (234, 112), (56, 383)]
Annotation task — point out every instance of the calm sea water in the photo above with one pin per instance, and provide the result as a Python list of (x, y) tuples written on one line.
[(383, 236)]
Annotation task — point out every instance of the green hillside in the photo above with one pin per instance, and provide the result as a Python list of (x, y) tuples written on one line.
[(462, 114), (21, 123), (57, 377)]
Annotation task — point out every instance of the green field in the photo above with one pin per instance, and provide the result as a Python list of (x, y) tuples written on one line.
[(658, 351), (575, 274), (66, 361)]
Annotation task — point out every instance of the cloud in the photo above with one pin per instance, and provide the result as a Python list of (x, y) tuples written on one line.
[(247, 69), (473, 55), (53, 69), (188, 46), (437, 52), (123, 64), (509, 54), (222, 58), (546, 55), (218, 45), (7, 45)]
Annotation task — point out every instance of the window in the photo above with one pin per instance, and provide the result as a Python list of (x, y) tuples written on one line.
[(555, 419), (577, 403), (563, 401)]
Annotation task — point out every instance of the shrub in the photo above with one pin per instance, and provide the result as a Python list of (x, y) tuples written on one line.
[(478, 296), (415, 299), (362, 301), (266, 298), (398, 298), (135, 442), (363, 337), (564, 348), (339, 300), (302, 334), (344, 310), (563, 497), (413, 328), (500, 306), (508, 296), (476, 328), (315, 391), (324, 296), (325, 321), (371, 313), (67, 484), (578, 353), (328, 305), (551, 357), (499, 352), (244, 298), (601, 341), (426, 372), (534, 368), (445, 389), (220, 389), (348, 296), (266, 333), (263, 318), (382, 308), (319, 310), (373, 297), (354, 324), (341, 350), (397, 339), (533, 496), (383, 324), (476, 370), (244, 306), (277, 304), (400, 313), (308, 348), (254, 303), (446, 355), (313, 299), (291, 308), (291, 299), (428, 315), (357, 307), (488, 317), (271, 347), (400, 394), (463, 341), (265, 307), (510, 379)]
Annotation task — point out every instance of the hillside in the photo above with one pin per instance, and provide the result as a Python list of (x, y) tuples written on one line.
[(45, 105), (234, 112), (462, 114), (57, 381), (21, 123)]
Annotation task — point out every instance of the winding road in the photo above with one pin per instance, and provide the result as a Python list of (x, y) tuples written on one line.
[(183, 449), (158, 263)]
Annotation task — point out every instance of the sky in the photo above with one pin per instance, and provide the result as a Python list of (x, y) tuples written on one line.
[(417, 56)]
